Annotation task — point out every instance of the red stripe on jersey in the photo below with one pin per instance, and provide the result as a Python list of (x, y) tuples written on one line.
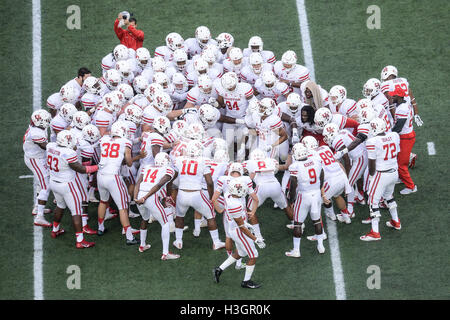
[(72, 160), (76, 200), (250, 91), (156, 142), (339, 144), (352, 108), (39, 140), (285, 91), (243, 77), (342, 123), (159, 54), (247, 246), (275, 126), (128, 145), (191, 99), (57, 127)]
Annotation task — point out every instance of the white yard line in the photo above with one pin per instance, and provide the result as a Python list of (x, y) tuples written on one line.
[(37, 97), (26, 176), (338, 274), (431, 149)]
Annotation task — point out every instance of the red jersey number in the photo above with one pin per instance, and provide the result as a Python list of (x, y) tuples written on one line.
[(110, 150)]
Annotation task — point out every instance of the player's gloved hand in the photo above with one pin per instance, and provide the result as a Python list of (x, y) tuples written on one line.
[(340, 154), (295, 137), (240, 121), (260, 243), (268, 148), (249, 227), (418, 121), (212, 101)]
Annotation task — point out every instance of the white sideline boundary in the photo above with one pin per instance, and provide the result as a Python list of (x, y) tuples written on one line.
[(37, 98), (338, 274), (431, 148)]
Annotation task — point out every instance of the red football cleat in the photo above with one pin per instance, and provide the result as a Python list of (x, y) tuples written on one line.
[(88, 230), (371, 236), (84, 244), (54, 234), (394, 224)]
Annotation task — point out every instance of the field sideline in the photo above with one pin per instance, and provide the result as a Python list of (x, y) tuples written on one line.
[(413, 262)]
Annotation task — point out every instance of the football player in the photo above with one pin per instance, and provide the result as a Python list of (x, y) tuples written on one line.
[(268, 86), (196, 45), (255, 44), (287, 70), (255, 67), (174, 41), (339, 103)]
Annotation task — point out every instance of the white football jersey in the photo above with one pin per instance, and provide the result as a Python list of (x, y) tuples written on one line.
[(150, 139), (298, 73), (108, 62), (149, 114), (104, 119), (148, 73), (90, 100), (307, 173), (249, 76), (384, 149), (77, 133), (344, 139), (191, 172), (236, 102), (229, 66), (348, 108), (54, 101), (85, 150), (265, 129), (217, 170), (179, 149), (381, 112), (234, 208), (58, 123), (405, 111), (197, 98), (140, 100), (58, 160), (264, 170), (152, 175), (223, 181), (267, 55), (112, 154), (192, 77), (164, 52), (392, 85), (276, 92), (330, 166), (32, 136), (193, 48)]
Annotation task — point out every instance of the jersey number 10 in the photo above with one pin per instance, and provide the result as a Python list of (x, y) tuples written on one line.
[(189, 168)]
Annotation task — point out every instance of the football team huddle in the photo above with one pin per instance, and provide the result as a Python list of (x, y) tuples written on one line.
[(219, 129)]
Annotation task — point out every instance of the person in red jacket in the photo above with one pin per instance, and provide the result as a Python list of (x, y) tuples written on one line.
[(130, 37)]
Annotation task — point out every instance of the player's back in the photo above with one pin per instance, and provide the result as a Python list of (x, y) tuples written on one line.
[(32, 136), (152, 175), (344, 139), (112, 154), (384, 148), (264, 170), (331, 167), (58, 159), (191, 172), (307, 173)]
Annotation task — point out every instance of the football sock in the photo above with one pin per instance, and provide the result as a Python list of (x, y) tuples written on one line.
[(101, 226), (40, 210), (84, 218), (179, 234), (55, 226), (230, 260), (248, 272), (375, 224), (297, 243), (165, 237), (79, 236), (393, 212), (197, 223), (143, 235), (319, 239), (214, 235), (128, 233), (329, 211), (239, 262)]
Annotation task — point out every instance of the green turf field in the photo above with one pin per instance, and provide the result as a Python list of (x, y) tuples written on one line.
[(413, 261)]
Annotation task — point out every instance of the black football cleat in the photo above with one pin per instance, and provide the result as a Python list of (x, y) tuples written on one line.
[(250, 284), (100, 233), (132, 242), (217, 272)]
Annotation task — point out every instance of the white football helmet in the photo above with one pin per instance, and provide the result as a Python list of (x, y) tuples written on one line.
[(299, 151), (120, 96), (225, 40), (257, 155), (120, 52), (113, 78), (158, 64), (207, 114), (364, 103), (337, 95), (201, 66), (256, 61), (371, 88), (174, 41), (143, 57), (140, 83), (151, 90), (237, 188), (310, 143), (118, 129), (179, 82), (202, 34), (69, 94), (126, 90), (229, 81), (81, 119), (236, 167), (289, 59), (111, 102), (133, 113), (221, 156), (220, 144), (194, 149), (41, 118), (91, 133), (266, 107), (205, 84), (330, 131), (124, 68), (236, 56), (253, 106), (195, 131), (180, 58), (67, 111), (255, 44), (92, 85), (387, 71), (162, 79), (179, 126), (162, 125), (162, 159), (366, 115), (377, 126), (163, 102), (294, 102), (209, 55), (268, 78), (322, 117), (65, 139)]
